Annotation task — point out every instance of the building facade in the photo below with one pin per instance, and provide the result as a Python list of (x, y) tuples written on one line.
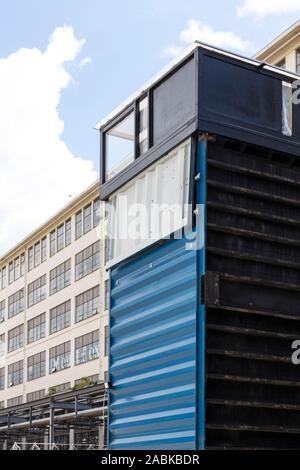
[(53, 317), (284, 50)]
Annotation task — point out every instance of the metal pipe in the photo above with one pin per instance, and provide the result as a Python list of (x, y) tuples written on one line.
[(64, 417), (51, 427)]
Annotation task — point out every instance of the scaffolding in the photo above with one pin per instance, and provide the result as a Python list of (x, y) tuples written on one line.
[(72, 420)]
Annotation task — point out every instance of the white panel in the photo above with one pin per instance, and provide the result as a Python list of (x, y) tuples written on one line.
[(151, 206)]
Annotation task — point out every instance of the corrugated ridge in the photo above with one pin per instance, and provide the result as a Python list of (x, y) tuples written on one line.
[(153, 350)]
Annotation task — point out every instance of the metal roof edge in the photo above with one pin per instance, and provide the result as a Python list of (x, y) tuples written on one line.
[(180, 58)]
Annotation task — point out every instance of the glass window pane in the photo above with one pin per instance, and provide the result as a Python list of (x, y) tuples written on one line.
[(143, 123), (298, 60), (120, 146), (281, 64)]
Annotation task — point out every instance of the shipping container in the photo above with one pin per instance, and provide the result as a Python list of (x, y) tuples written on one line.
[(200, 169)]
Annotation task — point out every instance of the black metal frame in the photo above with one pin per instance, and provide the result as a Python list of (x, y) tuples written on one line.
[(290, 145), (50, 408), (154, 152)]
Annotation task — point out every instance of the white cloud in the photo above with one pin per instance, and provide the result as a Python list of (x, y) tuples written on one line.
[(172, 51), (85, 61), (262, 8), (196, 30), (37, 170)]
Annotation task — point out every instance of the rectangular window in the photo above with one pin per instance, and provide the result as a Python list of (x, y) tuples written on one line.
[(119, 146), (36, 366), (2, 345), (22, 264), (15, 374), (15, 338), (87, 347), (106, 294), (16, 303), (2, 378), (60, 277), (87, 218), (3, 278), (78, 225), (52, 243), (68, 232), (60, 317), (37, 254), (43, 249), (143, 126), (15, 401), (281, 64), (106, 344), (36, 328), (2, 311), (87, 261), (37, 291), (37, 395), (298, 61), (30, 258), (11, 272), (59, 357), (87, 304), (60, 234), (17, 269), (96, 212)]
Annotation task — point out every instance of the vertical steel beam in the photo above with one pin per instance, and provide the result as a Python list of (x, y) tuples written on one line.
[(51, 426)]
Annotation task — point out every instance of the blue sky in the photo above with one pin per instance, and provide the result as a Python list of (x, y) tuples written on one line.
[(65, 64), (124, 40)]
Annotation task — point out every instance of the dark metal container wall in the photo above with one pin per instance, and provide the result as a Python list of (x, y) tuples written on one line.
[(252, 297), (248, 396)]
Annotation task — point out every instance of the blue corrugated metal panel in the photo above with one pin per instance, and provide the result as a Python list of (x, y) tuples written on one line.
[(153, 348)]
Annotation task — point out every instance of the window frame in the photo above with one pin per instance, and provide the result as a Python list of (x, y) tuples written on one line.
[(34, 325), (15, 338), (56, 355), (81, 344), (60, 315), (132, 108), (37, 291), (36, 366), (60, 277), (297, 56), (87, 304), (16, 299), (15, 370), (84, 260), (282, 63)]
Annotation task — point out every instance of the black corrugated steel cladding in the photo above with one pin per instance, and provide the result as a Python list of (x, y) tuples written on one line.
[(252, 282), (252, 298)]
